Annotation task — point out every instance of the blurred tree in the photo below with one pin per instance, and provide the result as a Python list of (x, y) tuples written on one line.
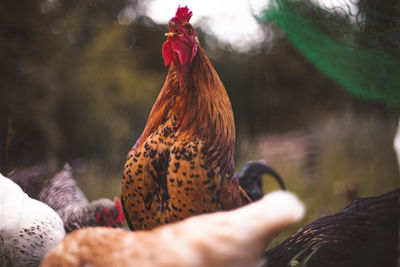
[(80, 77), (22, 94), (72, 81)]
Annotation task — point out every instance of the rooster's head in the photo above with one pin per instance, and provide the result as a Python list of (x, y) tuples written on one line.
[(181, 45)]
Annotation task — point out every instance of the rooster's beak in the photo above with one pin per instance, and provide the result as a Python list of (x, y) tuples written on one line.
[(173, 29), (170, 34)]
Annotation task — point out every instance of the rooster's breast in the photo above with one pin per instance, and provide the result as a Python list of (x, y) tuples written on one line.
[(168, 178)]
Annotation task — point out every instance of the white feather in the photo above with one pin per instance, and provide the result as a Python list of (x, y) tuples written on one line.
[(28, 227)]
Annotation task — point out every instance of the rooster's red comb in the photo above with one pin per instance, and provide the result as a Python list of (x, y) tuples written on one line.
[(121, 217), (182, 15)]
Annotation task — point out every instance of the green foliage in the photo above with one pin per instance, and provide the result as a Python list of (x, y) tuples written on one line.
[(74, 87), (352, 156)]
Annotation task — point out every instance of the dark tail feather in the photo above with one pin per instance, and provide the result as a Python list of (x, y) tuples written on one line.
[(269, 170), (250, 178)]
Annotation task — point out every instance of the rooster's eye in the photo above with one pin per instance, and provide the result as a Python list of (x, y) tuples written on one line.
[(189, 31)]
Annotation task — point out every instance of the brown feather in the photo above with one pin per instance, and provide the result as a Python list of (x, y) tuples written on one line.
[(182, 164)]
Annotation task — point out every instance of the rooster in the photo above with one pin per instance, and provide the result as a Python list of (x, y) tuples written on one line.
[(182, 164), (226, 238), (28, 227)]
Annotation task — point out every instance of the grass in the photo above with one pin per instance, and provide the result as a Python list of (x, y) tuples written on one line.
[(345, 157)]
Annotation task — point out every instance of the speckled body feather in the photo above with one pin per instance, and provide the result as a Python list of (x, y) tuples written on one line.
[(182, 164), (28, 228)]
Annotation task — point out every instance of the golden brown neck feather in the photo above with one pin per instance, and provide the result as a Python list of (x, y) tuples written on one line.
[(162, 106), (203, 110)]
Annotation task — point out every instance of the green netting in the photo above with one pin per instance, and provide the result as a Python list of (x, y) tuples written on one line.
[(356, 45)]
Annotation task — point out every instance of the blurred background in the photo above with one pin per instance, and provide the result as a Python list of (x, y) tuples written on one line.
[(78, 80)]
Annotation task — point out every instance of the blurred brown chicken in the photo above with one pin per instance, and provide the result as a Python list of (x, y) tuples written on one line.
[(223, 239), (182, 164)]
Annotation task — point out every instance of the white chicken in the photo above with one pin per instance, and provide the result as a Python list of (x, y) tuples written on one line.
[(228, 238), (28, 227)]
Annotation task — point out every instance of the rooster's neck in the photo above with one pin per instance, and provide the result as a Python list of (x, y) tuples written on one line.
[(201, 105), (183, 74)]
